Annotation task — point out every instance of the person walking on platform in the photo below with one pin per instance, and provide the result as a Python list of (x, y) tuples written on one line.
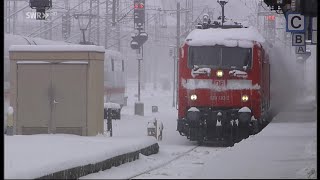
[(160, 128)]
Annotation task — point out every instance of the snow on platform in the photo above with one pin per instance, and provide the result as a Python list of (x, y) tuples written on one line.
[(281, 150), (33, 156)]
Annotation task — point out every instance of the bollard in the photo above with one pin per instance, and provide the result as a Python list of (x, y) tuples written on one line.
[(152, 128), (160, 127), (109, 121), (10, 121)]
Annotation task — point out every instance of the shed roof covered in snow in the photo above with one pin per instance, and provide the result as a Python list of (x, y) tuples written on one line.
[(242, 37)]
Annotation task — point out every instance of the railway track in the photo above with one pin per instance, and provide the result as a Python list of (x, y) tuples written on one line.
[(163, 164), (195, 157)]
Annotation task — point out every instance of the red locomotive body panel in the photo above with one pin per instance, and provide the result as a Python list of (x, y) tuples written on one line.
[(223, 85), (258, 74)]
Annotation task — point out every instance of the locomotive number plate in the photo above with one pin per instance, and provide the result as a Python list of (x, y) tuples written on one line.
[(220, 83), (220, 98)]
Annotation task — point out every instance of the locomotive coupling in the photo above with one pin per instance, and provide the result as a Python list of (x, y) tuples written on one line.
[(196, 116)]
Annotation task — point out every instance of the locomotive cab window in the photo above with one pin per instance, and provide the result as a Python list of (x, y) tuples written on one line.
[(220, 57)]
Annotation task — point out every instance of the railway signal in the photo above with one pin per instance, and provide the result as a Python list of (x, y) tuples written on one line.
[(138, 40), (271, 21), (139, 12), (139, 20)]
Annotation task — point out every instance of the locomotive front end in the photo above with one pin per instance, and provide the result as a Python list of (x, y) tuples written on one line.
[(220, 91)]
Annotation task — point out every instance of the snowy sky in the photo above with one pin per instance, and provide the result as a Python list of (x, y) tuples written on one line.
[(299, 154)]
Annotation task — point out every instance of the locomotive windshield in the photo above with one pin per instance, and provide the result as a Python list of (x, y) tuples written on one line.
[(220, 57)]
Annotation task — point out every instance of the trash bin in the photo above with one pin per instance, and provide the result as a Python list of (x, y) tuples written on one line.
[(152, 129), (139, 108), (115, 110)]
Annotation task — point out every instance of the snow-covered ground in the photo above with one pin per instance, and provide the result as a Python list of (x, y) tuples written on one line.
[(33, 156), (281, 150)]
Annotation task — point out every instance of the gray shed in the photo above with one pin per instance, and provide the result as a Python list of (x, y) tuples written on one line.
[(57, 89)]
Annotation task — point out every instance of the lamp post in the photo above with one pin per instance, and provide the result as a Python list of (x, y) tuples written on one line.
[(84, 21), (172, 53)]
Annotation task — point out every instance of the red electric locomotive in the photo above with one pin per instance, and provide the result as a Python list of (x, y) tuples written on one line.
[(224, 84)]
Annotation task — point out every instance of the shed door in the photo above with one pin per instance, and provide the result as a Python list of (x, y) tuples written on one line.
[(52, 98), (69, 83), (33, 98)]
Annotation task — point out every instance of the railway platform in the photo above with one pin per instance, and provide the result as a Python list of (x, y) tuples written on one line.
[(62, 156)]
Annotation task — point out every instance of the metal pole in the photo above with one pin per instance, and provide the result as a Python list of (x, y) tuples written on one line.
[(106, 26), (98, 23), (178, 46), (9, 19), (50, 26), (258, 16), (139, 68), (316, 74), (113, 12), (83, 35), (304, 77), (109, 121), (89, 26), (5, 14), (186, 17), (14, 18), (156, 32), (174, 83), (118, 27), (222, 14)]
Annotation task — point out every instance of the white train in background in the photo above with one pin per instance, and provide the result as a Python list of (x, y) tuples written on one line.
[(114, 77), (114, 69)]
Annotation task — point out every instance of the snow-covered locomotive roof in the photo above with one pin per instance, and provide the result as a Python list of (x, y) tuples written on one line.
[(242, 37), (57, 48)]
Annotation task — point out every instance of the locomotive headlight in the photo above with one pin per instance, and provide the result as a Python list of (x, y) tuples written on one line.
[(219, 73), (245, 98), (193, 97)]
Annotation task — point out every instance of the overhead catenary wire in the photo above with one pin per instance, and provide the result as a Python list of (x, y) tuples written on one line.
[(56, 19)]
